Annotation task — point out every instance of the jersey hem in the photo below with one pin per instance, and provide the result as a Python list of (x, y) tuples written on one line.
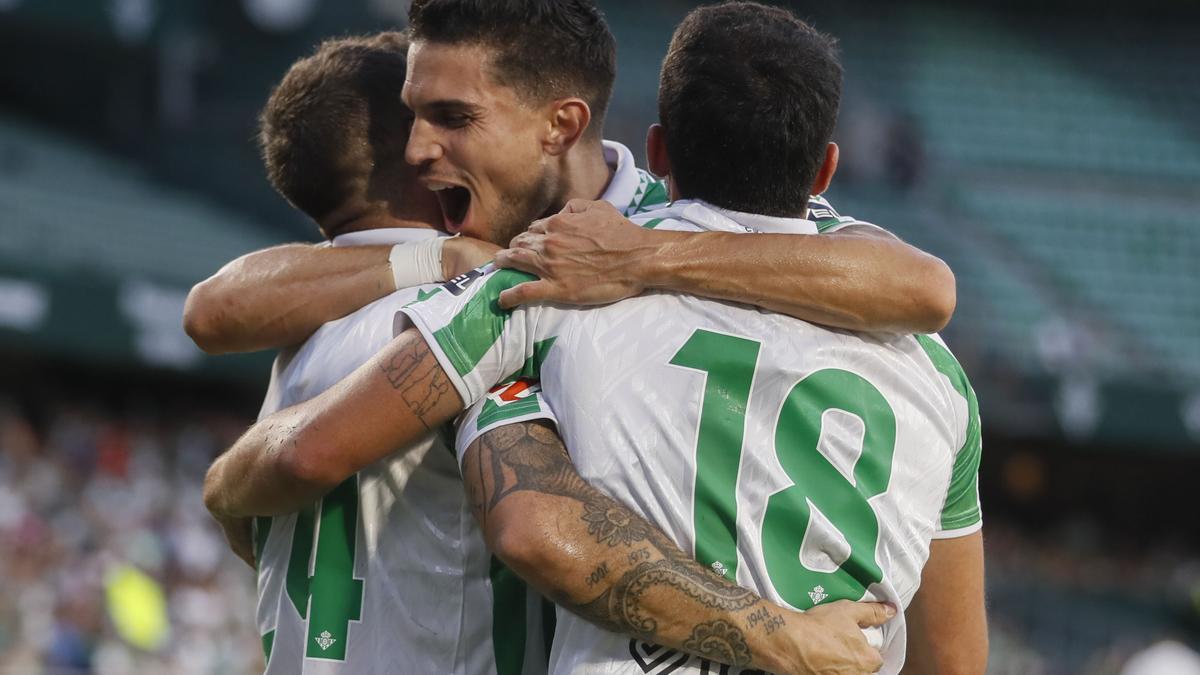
[(443, 359), (461, 444), (959, 531)]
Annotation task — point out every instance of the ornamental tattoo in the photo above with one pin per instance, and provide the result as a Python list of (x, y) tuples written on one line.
[(531, 457)]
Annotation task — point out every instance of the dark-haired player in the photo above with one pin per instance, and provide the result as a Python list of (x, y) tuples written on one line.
[(811, 465), (510, 97), (387, 572)]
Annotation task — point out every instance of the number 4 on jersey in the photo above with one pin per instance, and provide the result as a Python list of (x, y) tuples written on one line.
[(729, 365), (331, 597)]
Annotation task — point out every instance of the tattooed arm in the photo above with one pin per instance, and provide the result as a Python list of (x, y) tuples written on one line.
[(290, 459), (597, 558)]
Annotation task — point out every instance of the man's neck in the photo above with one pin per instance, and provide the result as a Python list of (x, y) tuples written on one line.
[(378, 221), (586, 174)]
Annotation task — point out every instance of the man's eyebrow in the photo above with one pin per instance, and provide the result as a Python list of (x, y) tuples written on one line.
[(451, 105)]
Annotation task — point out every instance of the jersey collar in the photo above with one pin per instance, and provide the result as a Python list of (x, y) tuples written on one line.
[(385, 236), (717, 219), (623, 187)]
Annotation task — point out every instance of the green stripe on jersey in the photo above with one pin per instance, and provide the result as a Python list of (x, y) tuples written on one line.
[(508, 619), (268, 641), (652, 223), (473, 331), (961, 508)]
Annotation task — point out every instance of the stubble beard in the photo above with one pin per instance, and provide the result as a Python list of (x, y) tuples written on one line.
[(539, 200)]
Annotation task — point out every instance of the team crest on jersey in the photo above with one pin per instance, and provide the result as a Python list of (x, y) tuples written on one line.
[(817, 594), (325, 640), (461, 283)]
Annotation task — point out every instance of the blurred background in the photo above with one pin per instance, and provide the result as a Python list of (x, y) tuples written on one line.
[(1049, 151)]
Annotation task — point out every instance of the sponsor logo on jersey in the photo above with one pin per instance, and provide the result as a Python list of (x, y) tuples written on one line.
[(819, 209), (461, 283), (511, 392)]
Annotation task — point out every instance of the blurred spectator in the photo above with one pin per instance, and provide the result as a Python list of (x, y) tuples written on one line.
[(101, 522)]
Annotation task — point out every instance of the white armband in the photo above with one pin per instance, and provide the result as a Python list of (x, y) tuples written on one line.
[(417, 262)]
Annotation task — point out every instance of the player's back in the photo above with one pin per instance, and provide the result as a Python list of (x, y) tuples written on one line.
[(806, 463), (375, 577)]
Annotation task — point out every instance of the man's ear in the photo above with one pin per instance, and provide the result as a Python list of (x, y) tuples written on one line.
[(656, 151), (828, 168), (569, 120)]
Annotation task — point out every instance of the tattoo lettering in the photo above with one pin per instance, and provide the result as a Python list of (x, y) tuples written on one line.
[(762, 616), (719, 641), (416, 374), (639, 555), (598, 574)]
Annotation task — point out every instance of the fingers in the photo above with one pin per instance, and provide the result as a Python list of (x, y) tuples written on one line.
[(869, 614), (585, 205), (524, 294), (530, 240), (521, 259)]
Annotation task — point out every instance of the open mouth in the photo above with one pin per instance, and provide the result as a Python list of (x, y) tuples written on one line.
[(456, 204)]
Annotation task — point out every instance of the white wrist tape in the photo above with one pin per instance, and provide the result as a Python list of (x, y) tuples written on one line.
[(417, 262)]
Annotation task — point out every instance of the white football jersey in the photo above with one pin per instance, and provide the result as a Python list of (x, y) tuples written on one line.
[(808, 464), (387, 573)]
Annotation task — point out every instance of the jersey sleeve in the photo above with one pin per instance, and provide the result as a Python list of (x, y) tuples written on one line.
[(507, 403), (828, 221), (476, 342), (961, 513)]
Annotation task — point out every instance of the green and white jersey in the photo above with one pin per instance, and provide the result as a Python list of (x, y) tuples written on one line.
[(808, 464), (387, 573)]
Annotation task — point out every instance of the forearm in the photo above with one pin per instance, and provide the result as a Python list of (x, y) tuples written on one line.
[(596, 557), (850, 281), (279, 296), (256, 478), (288, 460)]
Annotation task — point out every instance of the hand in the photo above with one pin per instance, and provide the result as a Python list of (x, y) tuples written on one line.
[(588, 254), (238, 535), (829, 640), (463, 254)]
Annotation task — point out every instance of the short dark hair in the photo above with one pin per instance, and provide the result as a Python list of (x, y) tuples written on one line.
[(748, 100), (544, 49), (334, 116)]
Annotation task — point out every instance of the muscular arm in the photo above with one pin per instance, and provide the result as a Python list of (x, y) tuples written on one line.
[(279, 296), (947, 621), (597, 558), (860, 278), (290, 459)]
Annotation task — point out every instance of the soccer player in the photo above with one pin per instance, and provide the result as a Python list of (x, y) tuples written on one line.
[(386, 572), (501, 60), (809, 464)]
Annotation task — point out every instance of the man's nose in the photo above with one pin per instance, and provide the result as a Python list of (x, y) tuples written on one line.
[(423, 144)]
